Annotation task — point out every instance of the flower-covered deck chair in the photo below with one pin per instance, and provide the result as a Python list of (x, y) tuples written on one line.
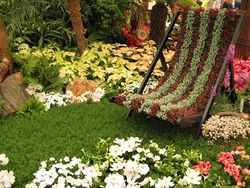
[(187, 91)]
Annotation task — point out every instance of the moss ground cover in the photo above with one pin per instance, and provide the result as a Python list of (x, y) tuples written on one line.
[(64, 131)]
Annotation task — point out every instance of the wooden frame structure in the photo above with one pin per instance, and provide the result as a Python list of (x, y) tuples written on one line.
[(201, 118)]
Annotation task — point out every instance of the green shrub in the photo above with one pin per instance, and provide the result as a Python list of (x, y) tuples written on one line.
[(42, 32), (105, 19), (31, 106), (38, 22), (41, 71)]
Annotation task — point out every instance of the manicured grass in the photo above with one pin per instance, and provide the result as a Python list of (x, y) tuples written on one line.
[(65, 131)]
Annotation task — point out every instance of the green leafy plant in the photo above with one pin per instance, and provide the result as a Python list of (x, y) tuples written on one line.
[(40, 70), (42, 32), (112, 65), (106, 19), (31, 106), (38, 22)]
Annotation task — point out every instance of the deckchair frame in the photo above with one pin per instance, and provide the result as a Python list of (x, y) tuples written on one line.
[(200, 119)]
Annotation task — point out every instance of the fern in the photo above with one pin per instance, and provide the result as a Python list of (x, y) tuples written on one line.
[(39, 70), (31, 106)]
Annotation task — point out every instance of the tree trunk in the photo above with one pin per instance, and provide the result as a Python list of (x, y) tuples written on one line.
[(243, 43), (144, 13), (76, 20), (6, 60), (158, 18), (12, 93)]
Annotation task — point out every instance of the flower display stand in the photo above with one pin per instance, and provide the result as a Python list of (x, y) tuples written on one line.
[(186, 93)]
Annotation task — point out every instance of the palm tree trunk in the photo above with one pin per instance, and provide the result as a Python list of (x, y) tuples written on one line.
[(76, 20)]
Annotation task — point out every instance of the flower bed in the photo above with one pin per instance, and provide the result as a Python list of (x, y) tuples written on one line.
[(132, 163), (186, 90), (113, 66)]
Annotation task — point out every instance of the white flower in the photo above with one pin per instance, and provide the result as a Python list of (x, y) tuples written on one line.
[(31, 185), (186, 163), (177, 157), (139, 150), (156, 158), (143, 169), (66, 159), (136, 157), (145, 181), (192, 177), (163, 151), (52, 159), (182, 182), (60, 183), (149, 155), (43, 164), (153, 145), (151, 182), (104, 165), (119, 141), (97, 95), (92, 172), (7, 179), (114, 181), (164, 183), (115, 151), (117, 166), (4, 160), (131, 170)]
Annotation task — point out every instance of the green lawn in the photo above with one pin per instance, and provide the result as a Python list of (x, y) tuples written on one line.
[(65, 131)]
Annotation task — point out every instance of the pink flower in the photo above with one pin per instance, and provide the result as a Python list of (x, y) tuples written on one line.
[(203, 167), (225, 158), (241, 70), (233, 170)]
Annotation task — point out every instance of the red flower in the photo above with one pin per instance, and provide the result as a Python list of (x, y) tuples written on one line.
[(136, 104), (120, 99), (203, 167), (154, 109), (225, 158)]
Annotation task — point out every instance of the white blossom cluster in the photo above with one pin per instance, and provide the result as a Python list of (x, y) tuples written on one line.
[(133, 87), (57, 99), (226, 128), (125, 164), (7, 178)]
